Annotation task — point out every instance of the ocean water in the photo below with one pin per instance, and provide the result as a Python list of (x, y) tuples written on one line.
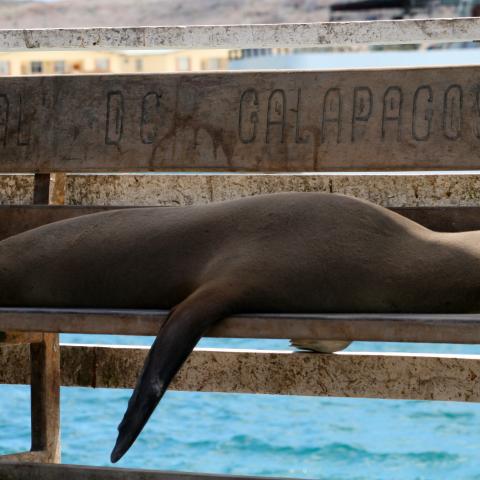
[(306, 437)]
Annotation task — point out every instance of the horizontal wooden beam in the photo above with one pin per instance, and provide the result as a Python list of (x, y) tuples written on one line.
[(443, 219), (15, 219), (352, 120), (20, 337), (361, 375), (77, 472), (377, 327), (293, 35)]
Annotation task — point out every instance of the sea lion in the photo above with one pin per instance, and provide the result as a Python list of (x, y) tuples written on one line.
[(292, 252)]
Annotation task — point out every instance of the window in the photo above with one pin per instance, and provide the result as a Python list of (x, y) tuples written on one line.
[(102, 64), (138, 65), (4, 67), (59, 66), (36, 67), (183, 64), (213, 64), (235, 54)]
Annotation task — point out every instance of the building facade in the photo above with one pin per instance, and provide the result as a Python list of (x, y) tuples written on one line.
[(128, 61)]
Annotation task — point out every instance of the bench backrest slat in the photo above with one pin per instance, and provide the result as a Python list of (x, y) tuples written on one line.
[(351, 120), (15, 219)]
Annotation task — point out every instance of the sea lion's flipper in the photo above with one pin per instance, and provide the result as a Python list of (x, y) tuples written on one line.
[(176, 339), (320, 346)]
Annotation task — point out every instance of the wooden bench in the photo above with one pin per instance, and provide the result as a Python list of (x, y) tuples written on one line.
[(271, 122)]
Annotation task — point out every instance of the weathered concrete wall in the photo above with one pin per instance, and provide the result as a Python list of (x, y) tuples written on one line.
[(401, 376), (386, 190), (251, 121), (245, 36), (16, 189)]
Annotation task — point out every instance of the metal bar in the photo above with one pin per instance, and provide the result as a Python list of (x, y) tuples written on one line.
[(435, 328), (293, 35), (77, 472)]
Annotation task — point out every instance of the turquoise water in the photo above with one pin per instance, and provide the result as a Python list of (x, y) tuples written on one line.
[(322, 438)]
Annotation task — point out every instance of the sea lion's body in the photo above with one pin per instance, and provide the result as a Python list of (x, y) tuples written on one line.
[(273, 253), (280, 253)]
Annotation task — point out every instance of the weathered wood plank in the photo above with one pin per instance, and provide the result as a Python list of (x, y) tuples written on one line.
[(352, 120), (15, 219), (362, 375), (245, 36), (77, 472), (431, 328)]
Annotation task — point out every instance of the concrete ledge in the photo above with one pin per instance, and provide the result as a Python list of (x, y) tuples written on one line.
[(16, 189), (245, 36), (365, 375), (399, 190)]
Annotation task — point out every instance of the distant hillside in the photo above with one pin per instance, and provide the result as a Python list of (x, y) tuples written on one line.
[(81, 13)]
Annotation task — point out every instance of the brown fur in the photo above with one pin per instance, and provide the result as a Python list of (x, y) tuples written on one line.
[(295, 252)]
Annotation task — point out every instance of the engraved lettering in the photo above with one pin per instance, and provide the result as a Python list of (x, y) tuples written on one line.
[(150, 117), (4, 112), (276, 114), (452, 112), (248, 116), (476, 128), (298, 136), (114, 122), (332, 112), (362, 107), (24, 127), (422, 113), (392, 110)]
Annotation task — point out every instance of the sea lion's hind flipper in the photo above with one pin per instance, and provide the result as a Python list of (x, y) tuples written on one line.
[(176, 339)]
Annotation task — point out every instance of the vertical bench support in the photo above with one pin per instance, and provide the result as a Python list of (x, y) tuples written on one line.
[(45, 397), (44, 360)]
